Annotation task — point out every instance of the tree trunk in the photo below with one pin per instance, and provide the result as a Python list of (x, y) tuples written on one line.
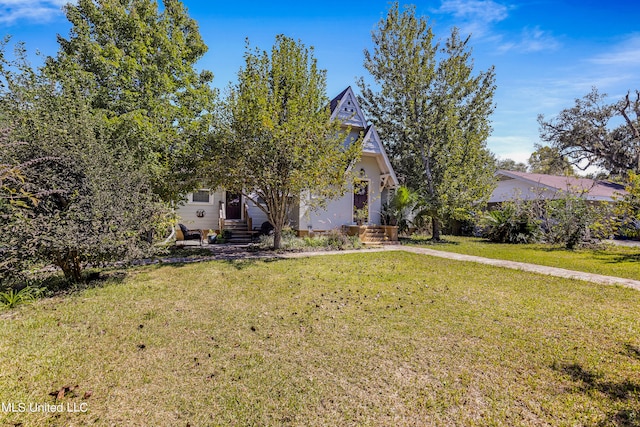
[(277, 237), (70, 264), (435, 226)]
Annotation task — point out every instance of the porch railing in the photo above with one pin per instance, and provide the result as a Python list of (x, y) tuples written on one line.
[(222, 215)]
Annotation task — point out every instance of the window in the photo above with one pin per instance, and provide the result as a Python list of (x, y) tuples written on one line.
[(201, 197)]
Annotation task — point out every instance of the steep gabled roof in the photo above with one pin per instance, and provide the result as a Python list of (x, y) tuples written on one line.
[(371, 144), (345, 107), (336, 100), (594, 189)]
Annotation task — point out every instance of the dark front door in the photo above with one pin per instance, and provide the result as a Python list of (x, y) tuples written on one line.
[(233, 206), (360, 200)]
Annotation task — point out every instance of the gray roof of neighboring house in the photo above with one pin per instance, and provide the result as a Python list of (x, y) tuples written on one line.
[(595, 189)]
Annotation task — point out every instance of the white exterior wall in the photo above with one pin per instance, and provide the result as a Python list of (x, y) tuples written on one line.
[(510, 189), (187, 212), (256, 214), (339, 212)]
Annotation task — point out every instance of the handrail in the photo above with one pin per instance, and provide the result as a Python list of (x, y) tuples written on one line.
[(245, 209), (222, 214)]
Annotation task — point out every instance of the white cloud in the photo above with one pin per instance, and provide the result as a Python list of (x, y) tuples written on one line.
[(626, 53), (478, 17), (474, 17), (532, 40), (13, 11), (516, 148), (485, 11)]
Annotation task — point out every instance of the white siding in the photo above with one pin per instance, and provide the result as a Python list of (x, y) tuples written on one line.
[(339, 212), (256, 214), (510, 189), (188, 212)]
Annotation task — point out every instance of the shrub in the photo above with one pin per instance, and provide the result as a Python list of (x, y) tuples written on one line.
[(512, 223), (627, 209), (570, 218), (337, 240)]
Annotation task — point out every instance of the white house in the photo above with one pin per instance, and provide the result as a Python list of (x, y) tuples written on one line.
[(218, 209), (528, 186)]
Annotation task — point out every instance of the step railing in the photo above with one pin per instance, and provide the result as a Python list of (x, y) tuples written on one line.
[(222, 215), (245, 212)]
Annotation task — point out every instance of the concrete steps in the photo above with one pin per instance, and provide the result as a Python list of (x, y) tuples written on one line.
[(374, 235), (240, 233)]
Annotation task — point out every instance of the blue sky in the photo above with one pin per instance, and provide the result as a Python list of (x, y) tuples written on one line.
[(546, 52)]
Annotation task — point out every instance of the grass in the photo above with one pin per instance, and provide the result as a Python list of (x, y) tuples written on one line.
[(609, 260), (352, 340)]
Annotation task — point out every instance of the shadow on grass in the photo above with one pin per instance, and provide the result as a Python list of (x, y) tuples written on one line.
[(623, 391), (56, 285), (426, 241), (242, 264), (616, 258), (632, 351)]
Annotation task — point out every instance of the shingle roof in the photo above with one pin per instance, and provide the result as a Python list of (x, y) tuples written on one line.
[(335, 101), (594, 188)]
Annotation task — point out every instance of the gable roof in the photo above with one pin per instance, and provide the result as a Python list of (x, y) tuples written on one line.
[(371, 145), (345, 107), (593, 189)]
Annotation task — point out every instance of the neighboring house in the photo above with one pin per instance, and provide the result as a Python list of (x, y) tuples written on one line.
[(218, 209), (528, 186)]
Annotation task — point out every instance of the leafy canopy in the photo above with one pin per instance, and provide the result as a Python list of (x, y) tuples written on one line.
[(549, 161), (280, 142), (432, 112), (595, 132), (138, 67), (91, 204)]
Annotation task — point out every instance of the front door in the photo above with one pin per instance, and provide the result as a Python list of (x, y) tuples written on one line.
[(233, 206), (360, 202)]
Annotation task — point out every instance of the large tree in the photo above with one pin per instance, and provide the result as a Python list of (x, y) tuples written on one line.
[(280, 143), (549, 161), (87, 201), (432, 112), (139, 70), (510, 165), (595, 132)]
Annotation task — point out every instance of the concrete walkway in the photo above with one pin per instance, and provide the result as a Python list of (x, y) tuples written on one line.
[(534, 268)]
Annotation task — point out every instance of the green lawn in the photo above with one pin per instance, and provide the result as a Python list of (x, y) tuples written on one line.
[(370, 339), (609, 260)]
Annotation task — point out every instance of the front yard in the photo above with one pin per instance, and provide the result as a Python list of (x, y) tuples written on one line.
[(359, 339), (610, 260)]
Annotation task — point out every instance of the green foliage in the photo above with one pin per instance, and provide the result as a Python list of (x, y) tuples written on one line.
[(12, 297), (337, 240), (401, 209), (280, 143), (94, 204), (432, 112), (511, 223), (511, 165), (332, 240), (590, 133), (569, 219), (627, 209), (549, 161), (138, 70)]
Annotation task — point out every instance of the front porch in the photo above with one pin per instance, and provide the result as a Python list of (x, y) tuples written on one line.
[(373, 234), (368, 234)]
